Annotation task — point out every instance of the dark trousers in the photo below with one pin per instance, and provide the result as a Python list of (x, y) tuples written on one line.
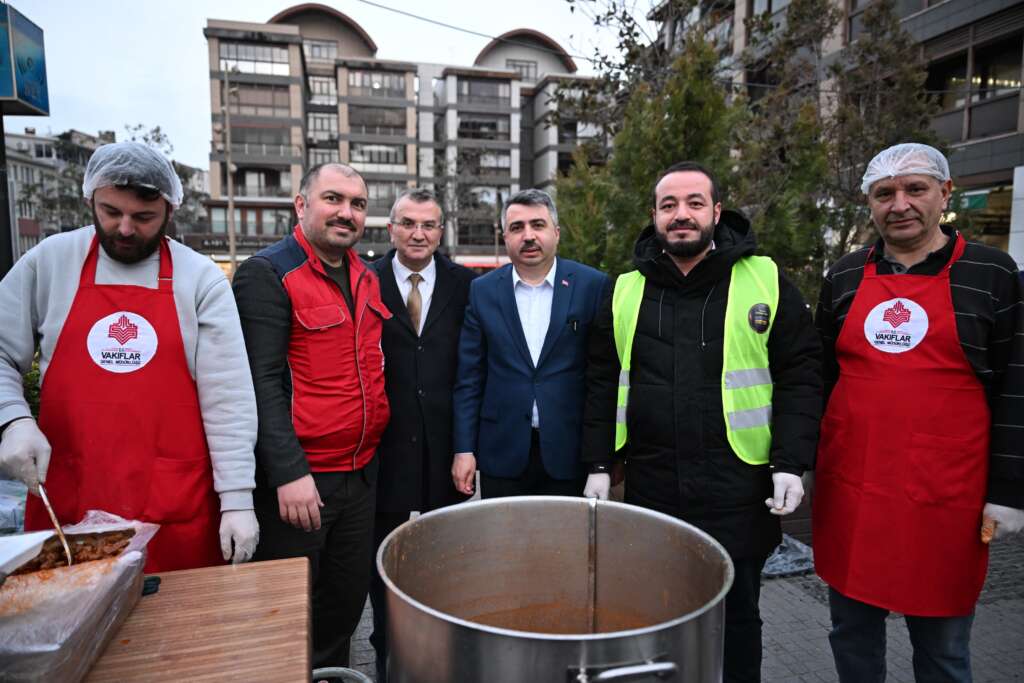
[(534, 481), (339, 554), (384, 524), (742, 663), (942, 645)]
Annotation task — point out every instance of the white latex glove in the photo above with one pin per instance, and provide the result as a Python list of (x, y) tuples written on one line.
[(238, 528), (597, 486), (1008, 520), (789, 491), (24, 453)]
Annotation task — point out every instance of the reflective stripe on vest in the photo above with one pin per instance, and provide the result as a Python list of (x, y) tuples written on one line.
[(746, 379)]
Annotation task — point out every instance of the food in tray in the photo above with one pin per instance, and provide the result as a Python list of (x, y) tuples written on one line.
[(85, 547)]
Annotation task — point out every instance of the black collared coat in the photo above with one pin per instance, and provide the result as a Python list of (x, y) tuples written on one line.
[(415, 451)]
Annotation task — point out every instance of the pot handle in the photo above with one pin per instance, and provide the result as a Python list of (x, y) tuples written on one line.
[(622, 673)]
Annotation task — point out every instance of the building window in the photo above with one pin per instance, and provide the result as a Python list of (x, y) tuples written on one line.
[(526, 69), (257, 182), (376, 84), (382, 194), (323, 156), (43, 151), (773, 6), (377, 120), (277, 221), (484, 163), (483, 126), (980, 101), (948, 80), (323, 90), (485, 92), (368, 153), (320, 50), (259, 100), (219, 221), (322, 127), (251, 58), (997, 70), (261, 141), (26, 209)]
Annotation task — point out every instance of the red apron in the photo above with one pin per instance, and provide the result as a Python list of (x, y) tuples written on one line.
[(903, 458), (121, 412)]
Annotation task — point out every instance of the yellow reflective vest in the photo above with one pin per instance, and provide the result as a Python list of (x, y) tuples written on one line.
[(746, 378)]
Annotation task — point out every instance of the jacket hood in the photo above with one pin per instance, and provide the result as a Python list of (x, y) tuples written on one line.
[(733, 240)]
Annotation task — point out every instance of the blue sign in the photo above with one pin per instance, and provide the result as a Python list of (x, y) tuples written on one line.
[(6, 73), (29, 62)]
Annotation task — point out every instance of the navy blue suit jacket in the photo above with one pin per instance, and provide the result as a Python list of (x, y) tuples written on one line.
[(497, 382)]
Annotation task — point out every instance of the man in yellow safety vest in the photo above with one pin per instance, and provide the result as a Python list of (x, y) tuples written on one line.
[(704, 376)]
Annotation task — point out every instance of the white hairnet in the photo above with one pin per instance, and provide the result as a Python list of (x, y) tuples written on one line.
[(910, 158), (131, 163)]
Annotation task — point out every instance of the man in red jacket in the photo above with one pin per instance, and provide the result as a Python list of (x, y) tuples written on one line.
[(312, 318)]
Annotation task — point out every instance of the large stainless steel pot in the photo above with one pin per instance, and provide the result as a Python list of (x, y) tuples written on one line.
[(553, 589)]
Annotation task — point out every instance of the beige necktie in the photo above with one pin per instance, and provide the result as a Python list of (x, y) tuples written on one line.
[(415, 303)]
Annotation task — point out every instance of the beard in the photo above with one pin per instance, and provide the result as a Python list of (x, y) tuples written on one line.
[(685, 248), (129, 249)]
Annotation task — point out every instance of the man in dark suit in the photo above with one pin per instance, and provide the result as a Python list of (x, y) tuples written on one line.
[(520, 390), (426, 294)]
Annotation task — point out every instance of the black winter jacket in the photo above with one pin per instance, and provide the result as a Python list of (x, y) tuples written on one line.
[(678, 459)]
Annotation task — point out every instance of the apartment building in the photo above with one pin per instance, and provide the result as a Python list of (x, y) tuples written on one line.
[(975, 55), (307, 87)]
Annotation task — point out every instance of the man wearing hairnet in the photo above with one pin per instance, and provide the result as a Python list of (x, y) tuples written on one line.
[(147, 407), (921, 457)]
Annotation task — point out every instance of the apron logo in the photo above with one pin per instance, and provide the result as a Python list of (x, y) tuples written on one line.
[(123, 330), (896, 325), (122, 342), (758, 317)]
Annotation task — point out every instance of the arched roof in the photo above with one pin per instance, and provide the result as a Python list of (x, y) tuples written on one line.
[(285, 14), (528, 33)]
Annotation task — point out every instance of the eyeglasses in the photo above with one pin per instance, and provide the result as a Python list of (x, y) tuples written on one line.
[(411, 225)]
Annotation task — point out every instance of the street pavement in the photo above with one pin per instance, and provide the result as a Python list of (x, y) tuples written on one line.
[(796, 625)]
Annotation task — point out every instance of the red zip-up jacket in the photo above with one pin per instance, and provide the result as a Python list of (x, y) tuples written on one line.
[(335, 366)]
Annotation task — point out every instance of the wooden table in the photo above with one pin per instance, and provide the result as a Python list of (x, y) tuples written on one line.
[(246, 622)]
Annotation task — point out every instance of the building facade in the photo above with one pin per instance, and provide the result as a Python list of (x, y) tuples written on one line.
[(975, 56), (307, 88)]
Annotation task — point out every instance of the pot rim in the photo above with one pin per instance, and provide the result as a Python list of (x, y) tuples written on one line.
[(537, 635)]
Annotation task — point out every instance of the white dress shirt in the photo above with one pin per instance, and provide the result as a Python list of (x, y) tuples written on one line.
[(534, 305), (426, 287)]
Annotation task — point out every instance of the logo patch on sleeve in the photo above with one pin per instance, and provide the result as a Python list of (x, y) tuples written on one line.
[(122, 342), (896, 325), (759, 317)]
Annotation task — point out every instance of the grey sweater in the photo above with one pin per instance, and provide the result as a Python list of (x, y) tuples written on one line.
[(36, 296)]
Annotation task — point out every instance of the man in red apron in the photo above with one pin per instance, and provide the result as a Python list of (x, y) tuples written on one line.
[(921, 439), (120, 404)]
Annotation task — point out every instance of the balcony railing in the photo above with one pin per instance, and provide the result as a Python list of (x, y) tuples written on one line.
[(322, 135), (259, 191), (370, 167), (329, 100), (260, 149), (366, 91), (480, 134), (364, 129), (492, 100), (381, 202), (994, 117)]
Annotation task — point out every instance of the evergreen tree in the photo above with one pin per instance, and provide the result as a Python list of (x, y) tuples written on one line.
[(603, 209)]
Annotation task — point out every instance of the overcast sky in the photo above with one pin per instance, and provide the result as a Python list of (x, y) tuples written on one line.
[(115, 62)]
